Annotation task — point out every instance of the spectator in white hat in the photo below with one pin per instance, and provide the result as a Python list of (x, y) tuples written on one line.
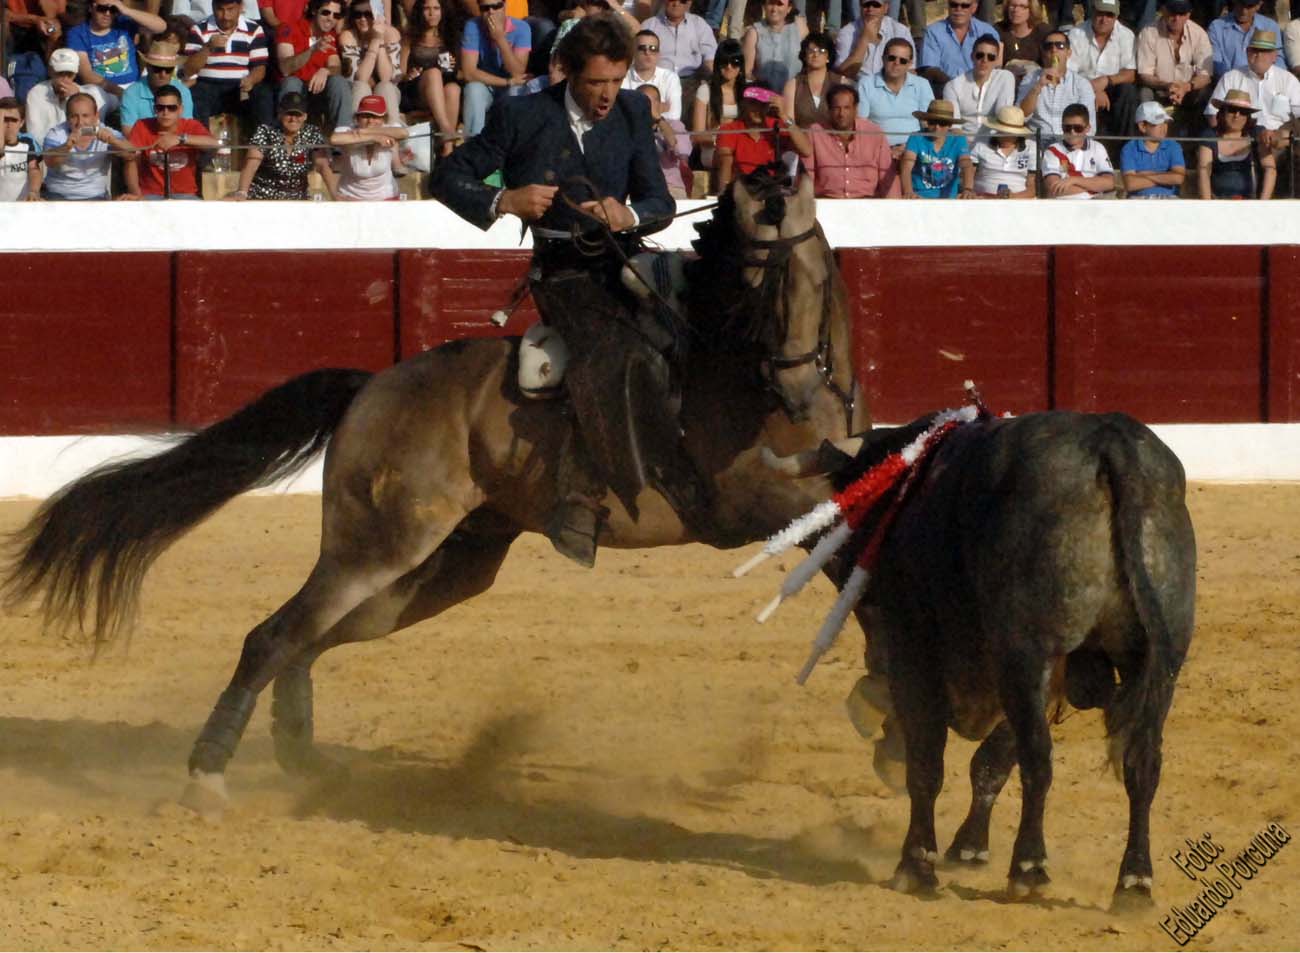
[(47, 102), (1153, 166), (1274, 90)]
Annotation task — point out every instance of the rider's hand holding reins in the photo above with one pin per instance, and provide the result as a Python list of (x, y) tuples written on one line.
[(610, 211), (529, 202)]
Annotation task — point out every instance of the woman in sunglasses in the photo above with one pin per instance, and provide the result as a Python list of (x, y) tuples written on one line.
[(372, 55), (430, 69), (718, 101), (805, 93), (1232, 166), (771, 45), (860, 46)]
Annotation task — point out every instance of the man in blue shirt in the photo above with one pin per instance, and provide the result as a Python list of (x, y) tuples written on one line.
[(1230, 33), (891, 97), (948, 45), (494, 52), (1153, 166), (105, 44)]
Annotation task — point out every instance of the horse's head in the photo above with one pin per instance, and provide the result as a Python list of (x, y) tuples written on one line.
[(789, 282), (769, 207)]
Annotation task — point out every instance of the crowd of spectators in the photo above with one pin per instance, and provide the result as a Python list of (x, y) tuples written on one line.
[(989, 100)]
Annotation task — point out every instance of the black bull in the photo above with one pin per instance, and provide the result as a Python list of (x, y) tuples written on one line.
[(1027, 542)]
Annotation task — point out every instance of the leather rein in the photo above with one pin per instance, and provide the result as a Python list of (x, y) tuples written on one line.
[(779, 252)]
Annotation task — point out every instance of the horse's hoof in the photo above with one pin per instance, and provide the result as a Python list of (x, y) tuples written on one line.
[(1028, 879), (1132, 895), (866, 713), (206, 795), (969, 856)]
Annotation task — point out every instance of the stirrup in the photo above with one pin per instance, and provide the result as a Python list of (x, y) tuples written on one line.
[(574, 527)]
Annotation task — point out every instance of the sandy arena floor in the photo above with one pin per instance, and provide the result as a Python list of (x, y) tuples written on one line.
[(609, 760)]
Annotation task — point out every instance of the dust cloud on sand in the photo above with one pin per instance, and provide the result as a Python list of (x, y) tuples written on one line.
[(616, 759)]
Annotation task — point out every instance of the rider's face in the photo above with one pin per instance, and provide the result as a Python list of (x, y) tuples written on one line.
[(596, 87)]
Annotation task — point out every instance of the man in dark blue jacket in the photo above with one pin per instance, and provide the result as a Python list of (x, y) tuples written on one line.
[(580, 167)]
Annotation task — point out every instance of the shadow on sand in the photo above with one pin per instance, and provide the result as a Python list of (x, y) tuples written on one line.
[(487, 793)]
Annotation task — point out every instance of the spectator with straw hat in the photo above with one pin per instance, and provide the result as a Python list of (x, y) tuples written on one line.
[(1005, 158), (936, 164)]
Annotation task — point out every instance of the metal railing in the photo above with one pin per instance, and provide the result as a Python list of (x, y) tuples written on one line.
[(226, 158)]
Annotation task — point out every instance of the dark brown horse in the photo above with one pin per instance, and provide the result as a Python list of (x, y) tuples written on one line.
[(436, 465)]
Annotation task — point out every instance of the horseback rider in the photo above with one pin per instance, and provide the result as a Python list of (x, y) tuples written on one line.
[(580, 167)]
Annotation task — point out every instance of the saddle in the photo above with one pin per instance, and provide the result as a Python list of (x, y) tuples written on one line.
[(657, 280)]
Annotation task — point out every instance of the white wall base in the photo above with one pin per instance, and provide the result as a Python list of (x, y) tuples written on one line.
[(1215, 453)]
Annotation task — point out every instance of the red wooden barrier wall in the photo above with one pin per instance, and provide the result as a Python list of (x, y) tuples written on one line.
[(140, 341)]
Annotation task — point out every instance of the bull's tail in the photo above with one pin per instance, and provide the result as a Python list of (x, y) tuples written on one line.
[(90, 544), (1136, 715)]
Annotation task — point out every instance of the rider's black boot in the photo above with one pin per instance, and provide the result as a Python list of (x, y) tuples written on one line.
[(574, 527)]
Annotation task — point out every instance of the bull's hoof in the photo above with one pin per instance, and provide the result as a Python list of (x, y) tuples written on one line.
[(869, 704), (970, 856), (916, 874), (1132, 895), (1028, 879), (206, 795)]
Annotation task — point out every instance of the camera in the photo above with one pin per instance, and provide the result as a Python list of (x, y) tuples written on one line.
[(88, 131)]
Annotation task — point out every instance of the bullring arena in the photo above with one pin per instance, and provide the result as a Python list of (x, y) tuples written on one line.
[(620, 758)]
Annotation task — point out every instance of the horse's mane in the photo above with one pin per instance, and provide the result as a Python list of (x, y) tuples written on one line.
[(726, 313)]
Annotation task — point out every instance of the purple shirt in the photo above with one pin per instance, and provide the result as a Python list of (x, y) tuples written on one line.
[(686, 47)]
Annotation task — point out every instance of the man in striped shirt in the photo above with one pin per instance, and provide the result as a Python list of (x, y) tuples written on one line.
[(228, 55)]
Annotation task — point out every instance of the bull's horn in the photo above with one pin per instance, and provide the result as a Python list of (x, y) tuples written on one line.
[(806, 462)]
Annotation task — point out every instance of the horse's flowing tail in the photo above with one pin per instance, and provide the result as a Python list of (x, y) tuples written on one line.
[(93, 541)]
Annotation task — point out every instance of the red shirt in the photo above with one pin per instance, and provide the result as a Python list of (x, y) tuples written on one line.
[(299, 36), (749, 153), (181, 159)]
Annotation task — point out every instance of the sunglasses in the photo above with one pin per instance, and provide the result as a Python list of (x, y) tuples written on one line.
[(102, 8), (817, 49), (362, 14), (1074, 127), (1055, 45), (960, 6), (735, 64), (332, 14), (162, 70), (167, 107), (647, 49), (489, 7), (991, 57), (892, 58), (1238, 111)]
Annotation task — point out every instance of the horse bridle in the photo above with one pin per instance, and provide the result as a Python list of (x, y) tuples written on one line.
[(779, 253)]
